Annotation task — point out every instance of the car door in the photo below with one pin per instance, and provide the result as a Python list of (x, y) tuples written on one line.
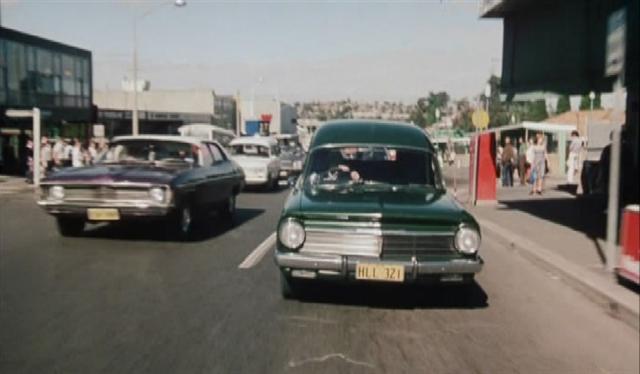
[(223, 173)]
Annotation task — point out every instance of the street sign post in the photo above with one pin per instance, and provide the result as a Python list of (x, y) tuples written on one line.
[(35, 114), (480, 119)]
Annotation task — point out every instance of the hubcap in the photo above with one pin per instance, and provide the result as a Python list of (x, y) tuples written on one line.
[(185, 219)]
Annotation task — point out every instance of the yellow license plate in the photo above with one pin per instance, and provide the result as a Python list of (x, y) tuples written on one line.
[(100, 214), (379, 272)]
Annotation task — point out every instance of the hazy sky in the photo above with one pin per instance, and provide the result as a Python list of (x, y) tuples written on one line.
[(298, 50)]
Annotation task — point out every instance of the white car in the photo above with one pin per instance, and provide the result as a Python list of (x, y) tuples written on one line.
[(258, 156)]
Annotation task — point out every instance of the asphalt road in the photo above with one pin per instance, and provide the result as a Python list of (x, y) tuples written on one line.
[(121, 299)]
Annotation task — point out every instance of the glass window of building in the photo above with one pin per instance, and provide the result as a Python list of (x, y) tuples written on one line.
[(16, 71), (45, 74), (3, 74), (68, 81)]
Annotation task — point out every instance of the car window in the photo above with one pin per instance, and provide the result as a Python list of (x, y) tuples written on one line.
[(143, 150), (216, 152), (207, 157), (250, 150), (371, 165)]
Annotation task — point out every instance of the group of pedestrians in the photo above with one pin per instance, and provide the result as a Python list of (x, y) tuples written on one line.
[(63, 153), (530, 160)]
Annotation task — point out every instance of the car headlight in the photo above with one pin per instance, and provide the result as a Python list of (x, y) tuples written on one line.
[(56, 192), (291, 234), (467, 240), (157, 194)]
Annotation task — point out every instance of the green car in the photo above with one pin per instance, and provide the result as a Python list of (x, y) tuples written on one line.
[(371, 206)]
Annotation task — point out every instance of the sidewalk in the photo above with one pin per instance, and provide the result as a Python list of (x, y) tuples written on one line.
[(13, 184), (563, 233)]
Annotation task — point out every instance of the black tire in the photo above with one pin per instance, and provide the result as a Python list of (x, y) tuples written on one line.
[(228, 211), (70, 226), (269, 185), (289, 287), (181, 223)]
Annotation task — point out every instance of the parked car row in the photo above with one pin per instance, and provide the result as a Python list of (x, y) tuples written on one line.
[(370, 204)]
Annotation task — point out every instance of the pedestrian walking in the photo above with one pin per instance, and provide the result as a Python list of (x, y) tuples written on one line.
[(539, 165), (46, 156), (66, 154), (499, 151), (529, 160), (508, 161), (92, 150), (29, 161), (77, 158), (57, 153), (522, 161), (573, 161)]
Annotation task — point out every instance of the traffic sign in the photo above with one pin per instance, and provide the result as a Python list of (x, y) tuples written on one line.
[(480, 119)]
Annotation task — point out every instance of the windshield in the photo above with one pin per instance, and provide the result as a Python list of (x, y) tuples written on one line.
[(251, 150), (148, 151), (372, 166)]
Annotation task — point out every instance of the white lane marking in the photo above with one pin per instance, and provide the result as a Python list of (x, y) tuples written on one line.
[(293, 364), (257, 254)]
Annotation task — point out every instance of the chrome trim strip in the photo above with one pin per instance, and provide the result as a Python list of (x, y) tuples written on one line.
[(334, 263), (104, 184), (103, 204), (342, 223), (378, 232)]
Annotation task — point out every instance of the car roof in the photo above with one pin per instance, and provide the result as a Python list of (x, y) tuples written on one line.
[(265, 141), (286, 136), (389, 133), (165, 138)]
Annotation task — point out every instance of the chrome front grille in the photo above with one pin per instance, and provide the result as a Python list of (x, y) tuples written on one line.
[(343, 243), (378, 243), (99, 193), (407, 246)]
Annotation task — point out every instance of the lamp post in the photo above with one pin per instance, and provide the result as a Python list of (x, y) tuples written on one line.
[(135, 125), (592, 96)]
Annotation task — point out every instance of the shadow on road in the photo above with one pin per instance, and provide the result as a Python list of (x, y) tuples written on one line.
[(585, 214), (264, 190), (470, 296), (209, 228), (581, 214)]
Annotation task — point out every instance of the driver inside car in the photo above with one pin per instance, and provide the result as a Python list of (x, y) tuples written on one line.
[(342, 171)]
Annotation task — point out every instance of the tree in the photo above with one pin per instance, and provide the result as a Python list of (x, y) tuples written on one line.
[(535, 111), (499, 114), (417, 115), (564, 104), (462, 119)]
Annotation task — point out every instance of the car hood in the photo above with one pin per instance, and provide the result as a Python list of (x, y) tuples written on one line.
[(415, 205), (105, 174)]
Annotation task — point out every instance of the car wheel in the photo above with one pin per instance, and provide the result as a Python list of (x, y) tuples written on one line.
[(229, 209), (70, 226), (269, 185), (289, 288), (181, 223)]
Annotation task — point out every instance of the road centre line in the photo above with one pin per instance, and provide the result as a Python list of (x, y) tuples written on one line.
[(257, 254)]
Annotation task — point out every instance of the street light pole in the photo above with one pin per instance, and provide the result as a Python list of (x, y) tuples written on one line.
[(135, 125)]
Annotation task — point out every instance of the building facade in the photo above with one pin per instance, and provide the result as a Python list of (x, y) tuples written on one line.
[(163, 111), (267, 116), (54, 77)]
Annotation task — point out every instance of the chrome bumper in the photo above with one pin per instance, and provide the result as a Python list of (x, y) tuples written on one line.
[(252, 181), (125, 208), (344, 267)]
